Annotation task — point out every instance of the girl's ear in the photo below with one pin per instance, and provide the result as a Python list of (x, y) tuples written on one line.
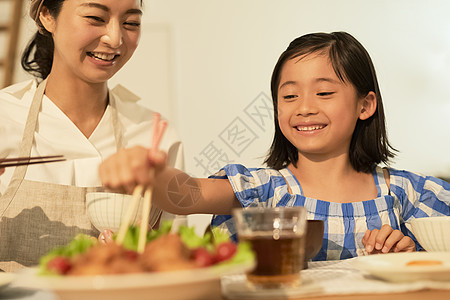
[(368, 106), (47, 19)]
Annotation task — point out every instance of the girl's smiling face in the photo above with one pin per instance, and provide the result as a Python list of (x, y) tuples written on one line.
[(317, 112), (93, 38)]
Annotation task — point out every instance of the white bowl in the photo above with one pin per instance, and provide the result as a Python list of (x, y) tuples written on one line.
[(106, 210), (433, 233)]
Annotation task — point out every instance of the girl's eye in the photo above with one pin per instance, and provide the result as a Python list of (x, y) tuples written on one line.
[(95, 19), (324, 94), (289, 97)]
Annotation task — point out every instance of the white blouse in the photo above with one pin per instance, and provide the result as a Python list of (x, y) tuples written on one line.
[(56, 134)]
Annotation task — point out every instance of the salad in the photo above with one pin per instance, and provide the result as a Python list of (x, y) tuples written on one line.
[(164, 251)]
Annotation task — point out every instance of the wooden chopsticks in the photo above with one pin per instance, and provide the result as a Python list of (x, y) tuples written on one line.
[(158, 131), (20, 161), (137, 193)]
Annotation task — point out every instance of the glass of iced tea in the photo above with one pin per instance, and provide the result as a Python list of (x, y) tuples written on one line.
[(277, 238)]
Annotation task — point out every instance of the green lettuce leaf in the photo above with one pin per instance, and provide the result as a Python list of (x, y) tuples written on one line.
[(219, 236), (131, 238), (192, 240), (243, 254), (77, 246), (163, 229)]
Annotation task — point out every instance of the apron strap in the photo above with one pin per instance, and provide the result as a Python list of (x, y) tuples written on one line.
[(117, 125), (25, 147), (30, 125), (28, 137)]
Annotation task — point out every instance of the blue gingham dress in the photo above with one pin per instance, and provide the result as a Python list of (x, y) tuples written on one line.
[(410, 196)]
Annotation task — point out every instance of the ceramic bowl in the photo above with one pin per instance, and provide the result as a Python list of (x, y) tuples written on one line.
[(314, 239), (106, 210), (432, 233)]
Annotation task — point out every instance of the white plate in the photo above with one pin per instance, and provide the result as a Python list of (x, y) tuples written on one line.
[(201, 283), (393, 266), (6, 279)]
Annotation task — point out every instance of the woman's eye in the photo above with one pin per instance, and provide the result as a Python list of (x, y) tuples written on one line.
[(95, 19), (324, 94), (133, 25)]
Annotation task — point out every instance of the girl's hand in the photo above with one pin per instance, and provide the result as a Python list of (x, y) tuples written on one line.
[(2, 171), (127, 168), (387, 240)]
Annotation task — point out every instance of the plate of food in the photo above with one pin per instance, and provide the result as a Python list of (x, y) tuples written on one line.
[(177, 265), (410, 266)]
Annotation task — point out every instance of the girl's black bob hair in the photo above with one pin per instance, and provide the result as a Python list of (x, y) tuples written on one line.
[(351, 62)]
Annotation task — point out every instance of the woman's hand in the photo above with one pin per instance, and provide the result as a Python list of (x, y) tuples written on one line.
[(2, 171), (386, 239), (127, 168), (106, 237)]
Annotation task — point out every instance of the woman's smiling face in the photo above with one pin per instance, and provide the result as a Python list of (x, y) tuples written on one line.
[(317, 112), (94, 38)]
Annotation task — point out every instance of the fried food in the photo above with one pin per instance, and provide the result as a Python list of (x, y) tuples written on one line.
[(167, 253), (106, 259)]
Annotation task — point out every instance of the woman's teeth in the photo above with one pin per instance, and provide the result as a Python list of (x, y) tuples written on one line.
[(103, 56), (310, 128)]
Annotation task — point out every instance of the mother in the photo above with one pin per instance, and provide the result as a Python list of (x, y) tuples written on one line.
[(68, 109)]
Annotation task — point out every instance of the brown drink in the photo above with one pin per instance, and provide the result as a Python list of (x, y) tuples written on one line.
[(276, 235), (279, 261)]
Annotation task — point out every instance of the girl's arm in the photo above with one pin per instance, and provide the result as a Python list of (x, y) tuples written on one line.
[(178, 193), (173, 190)]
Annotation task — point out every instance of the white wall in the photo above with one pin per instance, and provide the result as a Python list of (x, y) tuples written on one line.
[(207, 63), (222, 54)]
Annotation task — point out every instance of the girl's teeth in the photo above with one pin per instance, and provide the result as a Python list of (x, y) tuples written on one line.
[(309, 128)]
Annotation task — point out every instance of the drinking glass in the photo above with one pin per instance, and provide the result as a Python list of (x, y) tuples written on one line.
[(277, 236)]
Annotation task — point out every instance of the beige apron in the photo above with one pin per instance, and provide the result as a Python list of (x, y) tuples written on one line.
[(37, 216)]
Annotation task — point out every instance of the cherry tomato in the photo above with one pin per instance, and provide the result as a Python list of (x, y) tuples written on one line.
[(131, 255), (225, 251), (202, 257), (59, 264)]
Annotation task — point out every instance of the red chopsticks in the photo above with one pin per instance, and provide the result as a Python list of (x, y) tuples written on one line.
[(20, 161)]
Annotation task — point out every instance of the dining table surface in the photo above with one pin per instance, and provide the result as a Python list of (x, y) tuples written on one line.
[(321, 280), (12, 293)]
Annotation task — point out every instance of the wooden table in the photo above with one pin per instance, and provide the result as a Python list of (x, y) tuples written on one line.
[(416, 295)]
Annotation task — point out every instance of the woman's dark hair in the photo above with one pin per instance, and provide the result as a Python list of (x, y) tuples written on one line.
[(351, 62), (37, 58)]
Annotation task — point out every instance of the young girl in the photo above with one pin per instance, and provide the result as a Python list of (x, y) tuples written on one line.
[(68, 110), (329, 140)]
